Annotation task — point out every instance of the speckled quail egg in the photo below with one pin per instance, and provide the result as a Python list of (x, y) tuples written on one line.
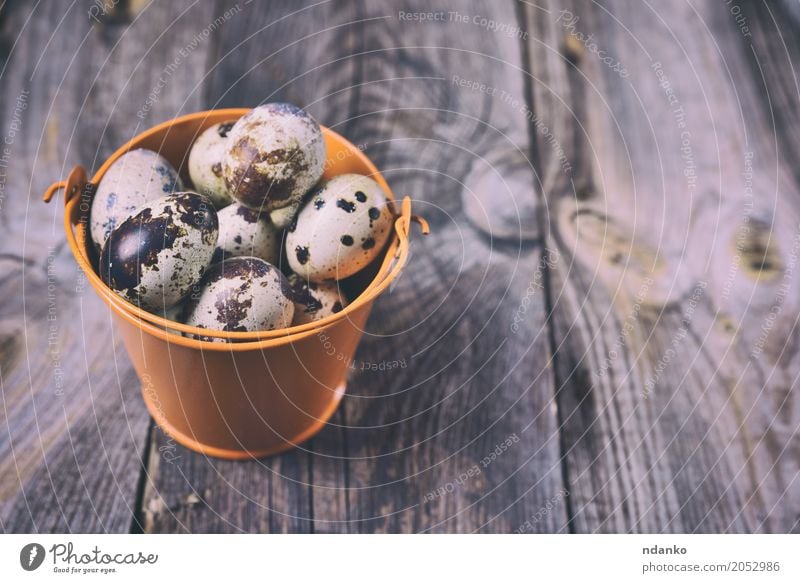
[(314, 301), (276, 153), (340, 229), (205, 163), (132, 180), (241, 294), (155, 257), (245, 231)]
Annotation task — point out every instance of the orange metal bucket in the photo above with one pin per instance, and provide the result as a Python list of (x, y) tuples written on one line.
[(267, 391)]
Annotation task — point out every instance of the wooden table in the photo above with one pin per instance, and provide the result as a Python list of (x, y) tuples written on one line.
[(599, 335)]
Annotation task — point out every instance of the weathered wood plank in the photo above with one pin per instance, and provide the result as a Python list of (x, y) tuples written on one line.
[(773, 344), (418, 434), (367, 471), (74, 420), (668, 274), (280, 52), (343, 99), (670, 407)]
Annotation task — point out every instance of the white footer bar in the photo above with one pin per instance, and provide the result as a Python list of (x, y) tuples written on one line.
[(389, 558)]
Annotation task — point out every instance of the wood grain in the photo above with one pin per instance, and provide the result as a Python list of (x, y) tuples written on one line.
[(75, 422), (670, 414), (599, 335), (405, 433), (259, 57), (415, 433)]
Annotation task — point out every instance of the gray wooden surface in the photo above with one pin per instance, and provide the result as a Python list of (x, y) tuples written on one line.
[(609, 286)]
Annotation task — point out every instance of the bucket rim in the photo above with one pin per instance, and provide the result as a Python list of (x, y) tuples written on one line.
[(78, 198)]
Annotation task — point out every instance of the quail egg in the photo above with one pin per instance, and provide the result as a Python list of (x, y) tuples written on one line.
[(246, 231), (340, 229), (314, 301), (241, 294), (276, 153), (205, 163), (155, 256), (132, 180)]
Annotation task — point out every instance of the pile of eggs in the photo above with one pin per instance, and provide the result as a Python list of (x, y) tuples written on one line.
[(258, 242)]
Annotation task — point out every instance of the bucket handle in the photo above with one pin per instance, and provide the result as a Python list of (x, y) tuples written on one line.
[(402, 226), (403, 222), (75, 183)]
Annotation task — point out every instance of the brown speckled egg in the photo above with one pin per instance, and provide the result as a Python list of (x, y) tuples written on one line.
[(132, 180), (246, 232), (314, 301), (241, 294), (205, 163), (155, 257), (340, 229), (275, 155)]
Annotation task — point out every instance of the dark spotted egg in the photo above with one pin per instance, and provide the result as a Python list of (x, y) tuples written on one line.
[(276, 153), (205, 163), (132, 180), (340, 229), (245, 231), (155, 257), (314, 301), (241, 294)]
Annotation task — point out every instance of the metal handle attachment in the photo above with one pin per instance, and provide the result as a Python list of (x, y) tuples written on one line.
[(75, 182)]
